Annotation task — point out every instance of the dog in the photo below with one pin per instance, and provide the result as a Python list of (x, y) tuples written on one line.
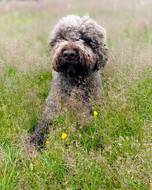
[(79, 51)]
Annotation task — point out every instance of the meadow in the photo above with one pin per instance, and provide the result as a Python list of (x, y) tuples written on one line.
[(114, 150)]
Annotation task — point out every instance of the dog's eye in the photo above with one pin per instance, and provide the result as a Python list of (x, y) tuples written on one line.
[(88, 41), (91, 43), (62, 38)]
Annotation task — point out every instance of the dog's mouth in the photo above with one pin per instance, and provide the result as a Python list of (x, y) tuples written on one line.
[(75, 71), (71, 71)]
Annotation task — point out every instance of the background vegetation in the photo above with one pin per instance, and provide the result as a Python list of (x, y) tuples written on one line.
[(115, 150)]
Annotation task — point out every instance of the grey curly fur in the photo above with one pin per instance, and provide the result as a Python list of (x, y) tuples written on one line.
[(87, 38)]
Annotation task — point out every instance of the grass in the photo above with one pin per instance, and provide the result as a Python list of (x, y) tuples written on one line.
[(114, 150)]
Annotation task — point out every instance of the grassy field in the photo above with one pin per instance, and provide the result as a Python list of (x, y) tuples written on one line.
[(114, 151)]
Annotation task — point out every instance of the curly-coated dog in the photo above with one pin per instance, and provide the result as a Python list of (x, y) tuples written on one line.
[(79, 51)]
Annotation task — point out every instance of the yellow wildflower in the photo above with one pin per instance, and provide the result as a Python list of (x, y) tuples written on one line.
[(95, 113), (64, 136), (47, 142)]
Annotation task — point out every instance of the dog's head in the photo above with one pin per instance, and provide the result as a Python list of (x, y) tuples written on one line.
[(78, 46)]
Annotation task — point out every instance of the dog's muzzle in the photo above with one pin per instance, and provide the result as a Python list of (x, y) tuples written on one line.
[(70, 62)]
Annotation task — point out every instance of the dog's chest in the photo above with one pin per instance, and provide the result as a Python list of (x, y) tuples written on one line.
[(80, 90)]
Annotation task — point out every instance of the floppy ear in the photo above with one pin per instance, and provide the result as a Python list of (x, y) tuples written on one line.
[(102, 57), (57, 32), (92, 28), (103, 49), (54, 36)]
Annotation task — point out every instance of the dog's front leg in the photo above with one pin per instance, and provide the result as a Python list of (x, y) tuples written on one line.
[(41, 131)]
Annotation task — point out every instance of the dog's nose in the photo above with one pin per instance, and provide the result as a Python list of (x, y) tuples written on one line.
[(69, 54)]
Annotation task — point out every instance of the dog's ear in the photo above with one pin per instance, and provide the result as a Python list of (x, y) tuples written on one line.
[(57, 33), (102, 50), (102, 57), (98, 34), (54, 36)]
